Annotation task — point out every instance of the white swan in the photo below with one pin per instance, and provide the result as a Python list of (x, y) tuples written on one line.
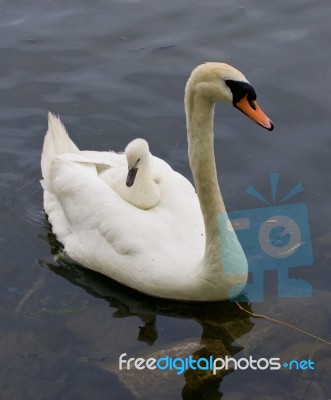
[(184, 247), (138, 183)]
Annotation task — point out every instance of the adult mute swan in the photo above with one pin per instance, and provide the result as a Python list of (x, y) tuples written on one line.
[(184, 247)]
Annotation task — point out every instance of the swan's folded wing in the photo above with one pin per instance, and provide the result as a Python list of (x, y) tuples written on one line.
[(103, 161), (105, 157), (84, 199), (105, 233)]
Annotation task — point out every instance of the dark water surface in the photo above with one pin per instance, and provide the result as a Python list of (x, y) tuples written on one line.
[(116, 70)]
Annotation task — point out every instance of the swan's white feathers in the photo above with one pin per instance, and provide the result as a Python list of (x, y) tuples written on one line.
[(55, 144), (87, 217)]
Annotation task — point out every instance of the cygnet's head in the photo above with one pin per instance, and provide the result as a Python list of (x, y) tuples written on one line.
[(137, 155)]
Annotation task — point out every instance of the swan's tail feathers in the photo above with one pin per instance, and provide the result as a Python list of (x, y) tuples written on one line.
[(56, 142)]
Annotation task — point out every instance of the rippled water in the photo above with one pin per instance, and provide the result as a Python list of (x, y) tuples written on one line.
[(115, 70)]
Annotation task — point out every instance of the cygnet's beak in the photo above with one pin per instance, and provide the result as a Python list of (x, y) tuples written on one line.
[(254, 112), (131, 176)]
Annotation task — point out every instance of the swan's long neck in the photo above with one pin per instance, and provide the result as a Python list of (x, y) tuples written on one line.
[(222, 248), (200, 121)]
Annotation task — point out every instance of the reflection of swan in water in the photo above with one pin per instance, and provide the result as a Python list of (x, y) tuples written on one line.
[(222, 323), (184, 248)]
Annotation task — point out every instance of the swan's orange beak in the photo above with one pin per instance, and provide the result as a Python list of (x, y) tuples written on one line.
[(254, 112)]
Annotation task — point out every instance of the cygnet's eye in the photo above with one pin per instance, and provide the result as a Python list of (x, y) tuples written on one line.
[(137, 162)]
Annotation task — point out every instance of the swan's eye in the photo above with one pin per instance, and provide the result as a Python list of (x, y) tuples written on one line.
[(240, 89)]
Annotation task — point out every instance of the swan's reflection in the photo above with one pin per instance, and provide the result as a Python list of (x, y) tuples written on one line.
[(222, 322)]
